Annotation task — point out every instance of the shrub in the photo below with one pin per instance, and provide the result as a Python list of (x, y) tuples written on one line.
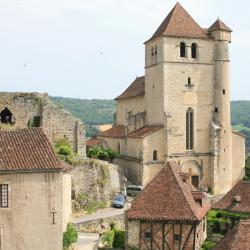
[(69, 237), (207, 245), (101, 153), (65, 150), (108, 238), (119, 239)]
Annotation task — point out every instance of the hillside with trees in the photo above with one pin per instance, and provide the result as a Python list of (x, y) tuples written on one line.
[(97, 112)]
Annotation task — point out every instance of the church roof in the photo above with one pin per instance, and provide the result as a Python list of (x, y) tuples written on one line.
[(241, 192), (219, 25), (27, 150), (118, 131), (167, 198), (136, 88), (237, 239), (179, 23)]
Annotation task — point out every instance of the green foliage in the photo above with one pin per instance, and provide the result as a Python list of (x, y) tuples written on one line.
[(101, 153), (91, 131), (65, 150), (92, 112), (207, 245), (108, 238), (217, 219), (69, 236), (119, 239)]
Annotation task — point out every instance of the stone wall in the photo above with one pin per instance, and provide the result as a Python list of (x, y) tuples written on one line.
[(56, 122), (99, 180)]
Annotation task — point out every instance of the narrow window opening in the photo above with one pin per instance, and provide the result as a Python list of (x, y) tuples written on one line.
[(177, 237), (194, 50), (216, 110), (152, 51), (53, 218), (156, 52), (189, 81), (189, 129), (224, 91), (119, 147), (155, 157), (147, 235), (182, 49), (4, 195)]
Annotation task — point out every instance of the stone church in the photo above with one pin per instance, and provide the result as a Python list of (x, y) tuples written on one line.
[(180, 110)]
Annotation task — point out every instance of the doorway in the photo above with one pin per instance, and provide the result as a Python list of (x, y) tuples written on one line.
[(6, 116), (195, 181)]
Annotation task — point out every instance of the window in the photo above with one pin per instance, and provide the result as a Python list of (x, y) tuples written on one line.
[(194, 50), (152, 51), (119, 147), (189, 129), (182, 49), (177, 237), (130, 113), (155, 155), (216, 110), (224, 91), (53, 218), (147, 235), (189, 81), (4, 195), (156, 50)]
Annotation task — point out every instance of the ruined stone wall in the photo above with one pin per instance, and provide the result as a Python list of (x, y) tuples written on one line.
[(98, 180), (56, 122)]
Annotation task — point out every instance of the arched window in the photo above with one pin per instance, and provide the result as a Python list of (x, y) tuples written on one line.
[(6, 116), (182, 49), (155, 158), (194, 50), (190, 129)]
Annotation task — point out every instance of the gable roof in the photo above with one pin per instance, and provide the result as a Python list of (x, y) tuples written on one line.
[(27, 150), (219, 25), (242, 190), (136, 88), (236, 239), (118, 131), (93, 142), (179, 23), (170, 199)]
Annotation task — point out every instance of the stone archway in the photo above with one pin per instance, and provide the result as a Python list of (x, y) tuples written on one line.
[(6, 116), (194, 170)]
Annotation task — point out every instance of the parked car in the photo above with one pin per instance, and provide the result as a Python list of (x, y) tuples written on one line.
[(133, 190), (119, 201)]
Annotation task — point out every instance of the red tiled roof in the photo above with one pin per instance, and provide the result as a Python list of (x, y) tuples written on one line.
[(166, 197), (136, 88), (93, 142), (219, 25), (236, 239), (179, 23), (241, 189), (27, 150), (119, 132)]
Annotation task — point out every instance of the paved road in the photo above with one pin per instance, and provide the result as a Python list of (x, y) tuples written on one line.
[(101, 213), (87, 241)]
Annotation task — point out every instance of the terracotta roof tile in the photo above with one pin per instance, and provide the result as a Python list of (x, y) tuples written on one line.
[(119, 132), (179, 23), (93, 142), (136, 88), (241, 189), (236, 239), (219, 25), (170, 199), (27, 150)]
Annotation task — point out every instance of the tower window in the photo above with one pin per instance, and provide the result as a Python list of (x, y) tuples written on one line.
[(216, 110), (189, 81), (224, 91), (189, 129), (182, 49), (194, 50), (155, 158)]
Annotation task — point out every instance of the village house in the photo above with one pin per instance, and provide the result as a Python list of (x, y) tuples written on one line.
[(35, 192), (168, 214), (180, 109)]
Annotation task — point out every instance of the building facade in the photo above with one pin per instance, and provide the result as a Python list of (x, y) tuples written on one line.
[(180, 109), (23, 110), (35, 192)]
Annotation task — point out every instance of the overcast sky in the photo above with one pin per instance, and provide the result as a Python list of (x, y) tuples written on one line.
[(94, 48)]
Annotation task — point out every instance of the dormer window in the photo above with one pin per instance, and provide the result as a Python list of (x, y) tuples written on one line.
[(194, 50), (182, 49)]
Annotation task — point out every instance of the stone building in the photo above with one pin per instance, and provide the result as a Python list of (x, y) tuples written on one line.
[(180, 109), (168, 214), (35, 192), (22, 110)]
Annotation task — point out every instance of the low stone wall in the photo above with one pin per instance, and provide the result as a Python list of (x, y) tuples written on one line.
[(99, 180), (95, 226)]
